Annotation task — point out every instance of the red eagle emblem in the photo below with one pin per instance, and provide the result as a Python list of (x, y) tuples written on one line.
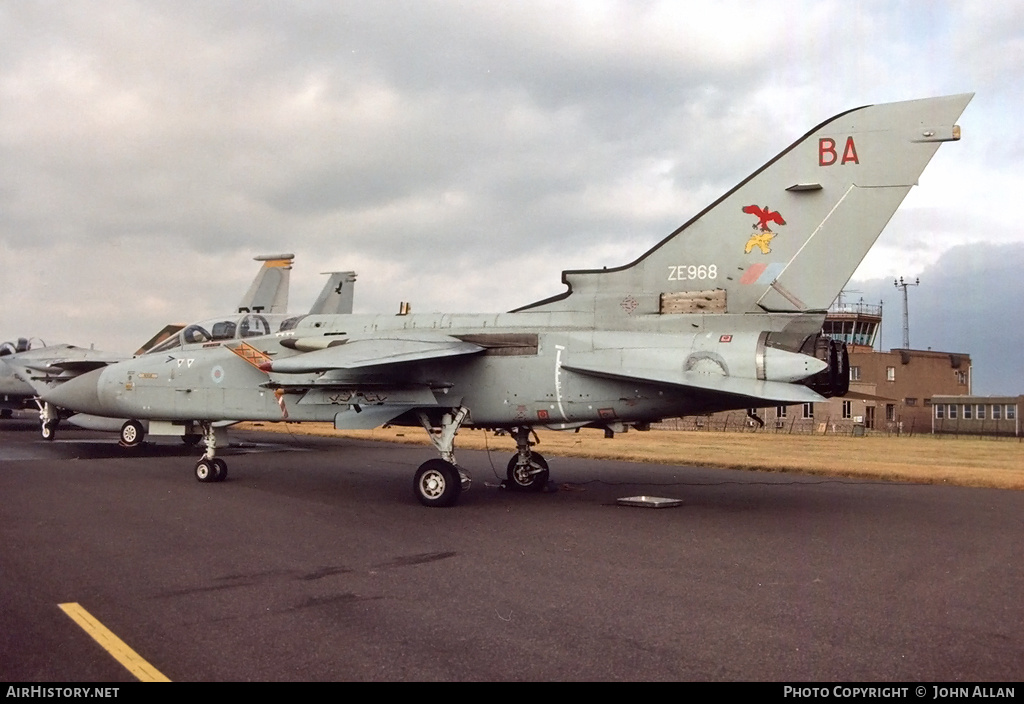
[(763, 235), (764, 216)]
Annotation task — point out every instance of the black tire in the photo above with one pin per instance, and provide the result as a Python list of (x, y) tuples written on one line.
[(205, 471), (132, 433), (533, 479), (437, 483), (220, 469)]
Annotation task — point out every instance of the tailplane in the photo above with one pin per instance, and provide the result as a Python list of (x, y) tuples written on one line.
[(788, 237)]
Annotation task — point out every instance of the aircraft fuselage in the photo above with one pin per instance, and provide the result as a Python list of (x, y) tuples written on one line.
[(533, 370)]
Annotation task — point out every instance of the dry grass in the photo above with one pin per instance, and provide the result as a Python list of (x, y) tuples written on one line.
[(925, 459)]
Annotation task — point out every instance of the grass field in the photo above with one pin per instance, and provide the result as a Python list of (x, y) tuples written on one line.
[(925, 459)]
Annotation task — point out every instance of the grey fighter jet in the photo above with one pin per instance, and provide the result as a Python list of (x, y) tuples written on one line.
[(724, 313), (269, 290), (15, 394), (27, 371), (50, 366)]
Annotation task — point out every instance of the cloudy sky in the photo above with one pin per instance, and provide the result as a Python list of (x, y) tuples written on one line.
[(460, 154)]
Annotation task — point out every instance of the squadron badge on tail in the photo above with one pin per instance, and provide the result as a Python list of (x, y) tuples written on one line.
[(763, 237)]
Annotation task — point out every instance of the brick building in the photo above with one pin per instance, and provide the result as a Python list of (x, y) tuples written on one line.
[(977, 415), (895, 388)]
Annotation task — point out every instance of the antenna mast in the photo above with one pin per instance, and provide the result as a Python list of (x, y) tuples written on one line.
[(906, 313)]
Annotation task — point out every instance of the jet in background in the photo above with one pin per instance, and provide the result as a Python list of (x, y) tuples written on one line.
[(48, 366), (269, 290), (15, 394), (48, 369), (337, 296), (724, 313)]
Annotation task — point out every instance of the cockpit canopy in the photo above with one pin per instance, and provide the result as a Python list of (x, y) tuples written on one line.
[(22, 345), (223, 329)]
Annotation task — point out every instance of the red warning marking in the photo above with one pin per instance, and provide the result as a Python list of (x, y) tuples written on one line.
[(250, 354)]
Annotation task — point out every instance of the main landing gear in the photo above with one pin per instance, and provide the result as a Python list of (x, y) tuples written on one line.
[(210, 468), (440, 482), (527, 470)]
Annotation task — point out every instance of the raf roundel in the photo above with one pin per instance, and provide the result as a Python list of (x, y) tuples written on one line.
[(217, 374)]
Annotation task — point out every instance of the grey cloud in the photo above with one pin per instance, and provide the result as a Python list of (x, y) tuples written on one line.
[(969, 302)]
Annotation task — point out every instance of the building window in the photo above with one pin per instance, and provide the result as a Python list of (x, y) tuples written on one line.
[(940, 411), (780, 411), (847, 409), (1011, 412), (910, 401), (997, 412), (854, 373), (808, 410), (952, 411), (890, 373), (967, 411), (890, 411), (961, 378), (981, 411)]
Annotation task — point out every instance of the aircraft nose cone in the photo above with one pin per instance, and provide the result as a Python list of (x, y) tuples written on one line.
[(79, 394)]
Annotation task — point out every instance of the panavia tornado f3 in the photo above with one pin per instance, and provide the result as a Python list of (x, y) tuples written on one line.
[(724, 313)]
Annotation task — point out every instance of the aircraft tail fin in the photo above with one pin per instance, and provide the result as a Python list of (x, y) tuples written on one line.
[(337, 294), (789, 236), (269, 290)]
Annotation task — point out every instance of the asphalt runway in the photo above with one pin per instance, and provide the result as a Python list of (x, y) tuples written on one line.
[(313, 561)]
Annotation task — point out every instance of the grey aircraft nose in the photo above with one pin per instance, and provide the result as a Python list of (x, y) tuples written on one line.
[(80, 394)]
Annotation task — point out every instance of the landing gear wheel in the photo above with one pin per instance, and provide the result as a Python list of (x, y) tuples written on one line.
[(532, 477), (220, 469), (205, 471), (49, 429), (438, 483), (132, 433)]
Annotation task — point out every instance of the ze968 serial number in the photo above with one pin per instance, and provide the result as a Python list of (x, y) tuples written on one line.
[(691, 272)]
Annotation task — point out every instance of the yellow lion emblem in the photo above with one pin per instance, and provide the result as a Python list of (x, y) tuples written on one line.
[(761, 241)]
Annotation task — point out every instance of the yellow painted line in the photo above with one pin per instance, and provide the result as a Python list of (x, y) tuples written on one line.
[(113, 645)]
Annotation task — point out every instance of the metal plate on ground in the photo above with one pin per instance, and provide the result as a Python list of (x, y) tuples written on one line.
[(649, 502)]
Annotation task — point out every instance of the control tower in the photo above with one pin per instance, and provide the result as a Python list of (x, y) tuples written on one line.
[(856, 324)]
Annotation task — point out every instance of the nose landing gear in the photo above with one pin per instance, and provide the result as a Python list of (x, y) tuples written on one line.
[(210, 468)]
